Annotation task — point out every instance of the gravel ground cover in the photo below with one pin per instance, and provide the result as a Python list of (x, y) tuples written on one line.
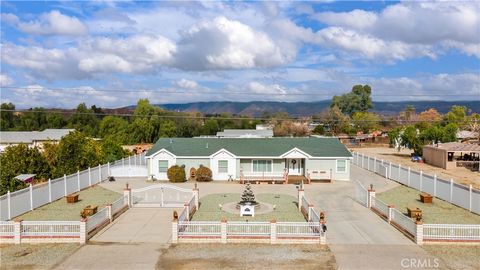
[(61, 210), (246, 256), (286, 208), (439, 212), (26, 256), (456, 256)]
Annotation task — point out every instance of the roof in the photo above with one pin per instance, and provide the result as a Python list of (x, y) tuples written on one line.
[(239, 133), (24, 177), (251, 147), (456, 147), (466, 134), (31, 136)]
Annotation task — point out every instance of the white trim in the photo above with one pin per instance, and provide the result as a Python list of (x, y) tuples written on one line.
[(336, 166), (265, 157), (223, 150), (251, 165), (163, 150), (305, 155)]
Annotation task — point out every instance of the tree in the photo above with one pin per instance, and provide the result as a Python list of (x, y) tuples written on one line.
[(430, 115), (112, 149), (84, 120), (290, 128), (7, 120), (434, 134), (55, 120), (33, 119), (114, 127), (366, 121), (337, 121), (410, 139), (450, 132), (359, 99), (78, 152), (168, 129), (146, 124), (210, 127), (20, 159), (408, 114), (319, 130), (457, 115)]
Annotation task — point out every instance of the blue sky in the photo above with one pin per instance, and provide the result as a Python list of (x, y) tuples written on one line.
[(58, 54)]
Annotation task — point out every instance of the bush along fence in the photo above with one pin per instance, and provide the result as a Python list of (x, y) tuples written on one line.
[(417, 231), (16, 203), (311, 232), (19, 231), (466, 197)]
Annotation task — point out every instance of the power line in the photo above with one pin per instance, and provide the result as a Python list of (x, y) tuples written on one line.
[(184, 91), (319, 120)]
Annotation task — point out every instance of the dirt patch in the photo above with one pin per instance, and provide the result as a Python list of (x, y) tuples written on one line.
[(456, 256), (40, 256), (246, 256), (460, 175)]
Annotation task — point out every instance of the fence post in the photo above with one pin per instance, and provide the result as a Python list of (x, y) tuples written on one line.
[(49, 190), (109, 212), (99, 173), (374, 163), (470, 198), (123, 164), (310, 210), (419, 233), (371, 196), (451, 189), (83, 231), (65, 183), (408, 181), (9, 205), (127, 191), (273, 231), (368, 163), (31, 196), (174, 231), (108, 168), (135, 160), (196, 192), (421, 180), (78, 179), (17, 231), (301, 194), (363, 167), (390, 171), (223, 230), (89, 177), (399, 170), (390, 213), (187, 208), (434, 185)]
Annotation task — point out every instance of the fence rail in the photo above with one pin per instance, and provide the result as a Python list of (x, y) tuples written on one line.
[(361, 193), (119, 204), (296, 229), (96, 220), (7, 229), (199, 229), (248, 228), (466, 197), (380, 206), (16, 203), (451, 232), (50, 228)]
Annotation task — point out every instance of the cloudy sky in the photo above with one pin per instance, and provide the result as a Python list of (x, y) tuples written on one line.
[(57, 54)]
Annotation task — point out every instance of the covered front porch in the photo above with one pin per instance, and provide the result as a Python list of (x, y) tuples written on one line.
[(280, 170)]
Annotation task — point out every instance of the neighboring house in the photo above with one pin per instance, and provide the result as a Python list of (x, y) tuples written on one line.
[(245, 133), (253, 158), (31, 138)]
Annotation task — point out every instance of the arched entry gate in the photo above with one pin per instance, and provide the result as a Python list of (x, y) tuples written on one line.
[(161, 196)]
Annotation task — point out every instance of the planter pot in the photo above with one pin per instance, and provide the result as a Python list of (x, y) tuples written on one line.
[(414, 212), (426, 198), (73, 198), (88, 211)]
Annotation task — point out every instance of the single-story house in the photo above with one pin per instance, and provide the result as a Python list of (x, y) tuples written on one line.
[(237, 158), (31, 138)]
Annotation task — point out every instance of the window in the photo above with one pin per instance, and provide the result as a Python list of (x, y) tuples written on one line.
[(162, 166), (341, 166), (260, 165), (223, 166)]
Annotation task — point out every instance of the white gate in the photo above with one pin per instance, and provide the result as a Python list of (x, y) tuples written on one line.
[(161, 196)]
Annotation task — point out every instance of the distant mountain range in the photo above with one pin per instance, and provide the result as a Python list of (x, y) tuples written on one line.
[(257, 108)]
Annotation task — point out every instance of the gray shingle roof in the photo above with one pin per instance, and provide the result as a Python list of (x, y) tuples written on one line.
[(30, 136), (245, 133), (251, 147)]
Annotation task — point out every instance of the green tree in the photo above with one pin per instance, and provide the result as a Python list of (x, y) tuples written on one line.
[(84, 120), (337, 121), (411, 140), (33, 119), (55, 120), (210, 127), (319, 130), (112, 149), (114, 127), (146, 123), (78, 152), (450, 132), (21, 159), (7, 119), (434, 134), (358, 100), (366, 121), (189, 128), (457, 115)]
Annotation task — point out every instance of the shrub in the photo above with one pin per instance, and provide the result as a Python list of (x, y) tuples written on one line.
[(176, 174), (204, 174)]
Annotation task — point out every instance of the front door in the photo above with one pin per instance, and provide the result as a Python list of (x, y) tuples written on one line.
[(294, 166)]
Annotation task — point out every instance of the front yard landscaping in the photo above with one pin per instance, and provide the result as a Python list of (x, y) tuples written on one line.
[(62, 211), (286, 208), (437, 212)]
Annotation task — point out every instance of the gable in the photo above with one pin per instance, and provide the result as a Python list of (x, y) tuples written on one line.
[(162, 154), (222, 153), (295, 153)]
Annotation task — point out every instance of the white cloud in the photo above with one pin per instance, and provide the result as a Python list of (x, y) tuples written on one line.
[(5, 80), (186, 84), (260, 88), (53, 23), (357, 19)]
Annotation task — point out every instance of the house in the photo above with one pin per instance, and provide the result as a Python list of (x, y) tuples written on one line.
[(277, 158), (452, 155), (31, 138)]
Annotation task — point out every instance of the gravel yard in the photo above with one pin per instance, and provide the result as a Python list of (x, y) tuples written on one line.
[(456, 256), (246, 256), (286, 208), (43, 256), (439, 212), (61, 210)]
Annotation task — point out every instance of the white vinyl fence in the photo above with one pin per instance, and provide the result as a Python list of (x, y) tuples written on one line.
[(19, 202), (451, 232), (466, 197), (361, 193)]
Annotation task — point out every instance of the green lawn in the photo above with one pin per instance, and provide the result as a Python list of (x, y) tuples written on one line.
[(286, 208), (439, 212), (61, 210)]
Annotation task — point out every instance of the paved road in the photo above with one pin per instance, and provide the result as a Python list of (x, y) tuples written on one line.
[(358, 238)]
